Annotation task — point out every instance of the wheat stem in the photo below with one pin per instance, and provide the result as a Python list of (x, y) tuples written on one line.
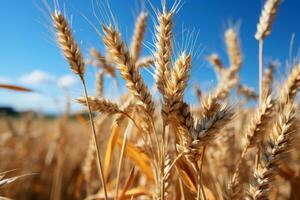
[(173, 163), (260, 61), (120, 163), (201, 176), (95, 139)]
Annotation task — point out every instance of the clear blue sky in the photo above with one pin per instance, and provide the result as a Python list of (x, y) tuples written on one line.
[(28, 50)]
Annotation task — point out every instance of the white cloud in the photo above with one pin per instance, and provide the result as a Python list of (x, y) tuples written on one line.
[(36, 77), (67, 81), (5, 80)]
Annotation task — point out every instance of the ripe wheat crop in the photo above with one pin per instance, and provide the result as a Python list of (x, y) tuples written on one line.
[(147, 147)]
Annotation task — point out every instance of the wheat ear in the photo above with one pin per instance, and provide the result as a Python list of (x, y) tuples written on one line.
[(99, 84), (145, 62), (266, 19), (175, 88), (76, 61), (217, 64), (255, 132), (258, 123), (291, 86), (134, 82), (278, 145), (67, 44), (163, 53), (247, 92), (138, 36), (233, 50), (268, 80), (101, 105), (208, 127), (103, 62)]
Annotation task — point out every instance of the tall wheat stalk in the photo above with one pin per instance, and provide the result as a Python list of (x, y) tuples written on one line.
[(72, 53), (264, 27)]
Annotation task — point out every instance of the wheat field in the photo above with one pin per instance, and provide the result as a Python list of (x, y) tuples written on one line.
[(147, 147)]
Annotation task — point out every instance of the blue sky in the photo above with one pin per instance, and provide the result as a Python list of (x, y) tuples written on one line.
[(30, 57)]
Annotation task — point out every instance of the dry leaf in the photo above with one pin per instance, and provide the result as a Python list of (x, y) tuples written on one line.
[(139, 158), (115, 133), (15, 88), (129, 181)]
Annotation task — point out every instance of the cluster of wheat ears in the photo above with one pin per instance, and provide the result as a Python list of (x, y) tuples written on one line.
[(169, 149)]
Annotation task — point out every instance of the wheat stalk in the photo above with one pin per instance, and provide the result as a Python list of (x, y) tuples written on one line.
[(264, 29), (73, 55)]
